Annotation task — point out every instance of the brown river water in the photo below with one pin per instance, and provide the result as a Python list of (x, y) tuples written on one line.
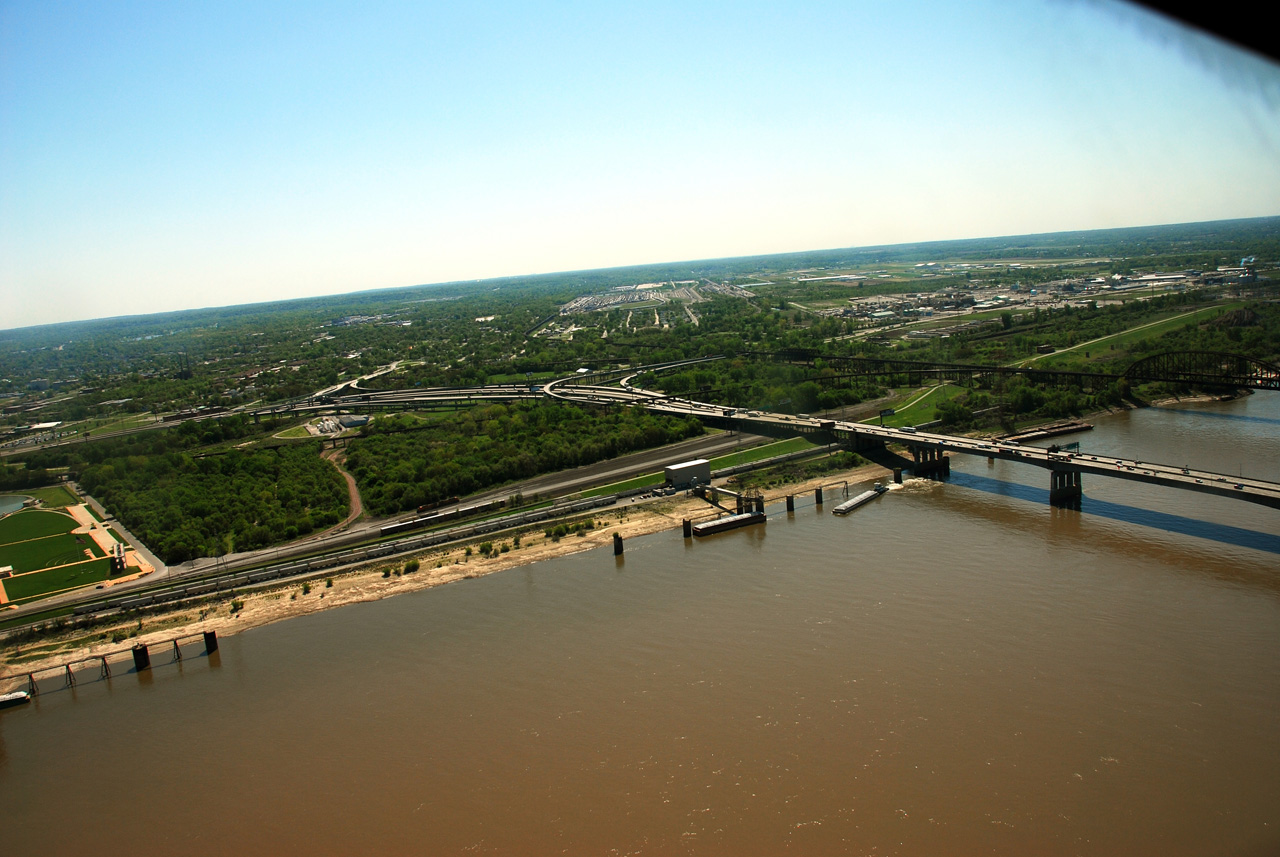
[(956, 668)]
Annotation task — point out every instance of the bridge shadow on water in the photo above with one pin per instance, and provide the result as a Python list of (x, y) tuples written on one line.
[(1127, 514), (1217, 415)]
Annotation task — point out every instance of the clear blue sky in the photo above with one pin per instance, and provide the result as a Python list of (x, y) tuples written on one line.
[(158, 156)]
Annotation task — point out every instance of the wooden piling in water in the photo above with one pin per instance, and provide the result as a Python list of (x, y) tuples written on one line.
[(617, 544)]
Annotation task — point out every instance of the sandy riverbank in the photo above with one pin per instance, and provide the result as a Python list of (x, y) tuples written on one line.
[(437, 567)]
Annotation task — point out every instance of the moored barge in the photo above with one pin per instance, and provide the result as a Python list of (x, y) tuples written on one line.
[(729, 522)]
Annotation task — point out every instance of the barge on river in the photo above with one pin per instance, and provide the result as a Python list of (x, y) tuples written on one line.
[(866, 496), (729, 522), (17, 697)]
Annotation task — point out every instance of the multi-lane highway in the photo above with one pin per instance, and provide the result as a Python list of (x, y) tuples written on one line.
[(1169, 475), (620, 389)]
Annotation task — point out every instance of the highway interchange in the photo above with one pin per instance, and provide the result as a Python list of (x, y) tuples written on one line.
[(622, 391)]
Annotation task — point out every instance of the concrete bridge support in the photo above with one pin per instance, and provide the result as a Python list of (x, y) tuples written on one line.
[(930, 461), (1064, 488)]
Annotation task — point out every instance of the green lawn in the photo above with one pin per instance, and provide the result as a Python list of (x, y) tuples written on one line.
[(29, 587), (639, 482), (33, 524), (925, 408), (919, 407), (295, 432), (48, 552), (760, 453), (54, 496), (41, 542), (1143, 331)]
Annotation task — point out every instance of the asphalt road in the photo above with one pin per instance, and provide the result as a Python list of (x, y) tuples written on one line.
[(551, 485), (626, 467)]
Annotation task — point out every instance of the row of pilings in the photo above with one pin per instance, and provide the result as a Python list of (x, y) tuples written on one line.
[(141, 657)]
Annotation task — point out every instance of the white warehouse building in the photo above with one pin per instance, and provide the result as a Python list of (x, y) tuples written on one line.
[(683, 475)]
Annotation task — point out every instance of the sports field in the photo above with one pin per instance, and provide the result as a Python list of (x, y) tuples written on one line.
[(32, 524), (47, 555)]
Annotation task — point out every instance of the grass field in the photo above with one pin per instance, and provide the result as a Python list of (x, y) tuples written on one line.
[(1145, 330), (638, 482), (919, 408), (29, 587), (49, 552), (54, 497), (760, 453), (297, 432), (33, 524), (1163, 326), (46, 556)]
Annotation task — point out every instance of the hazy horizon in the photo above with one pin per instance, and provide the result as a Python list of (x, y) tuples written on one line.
[(158, 159), (641, 265)]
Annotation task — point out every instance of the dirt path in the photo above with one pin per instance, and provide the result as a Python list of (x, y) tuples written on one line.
[(333, 456), (1080, 345)]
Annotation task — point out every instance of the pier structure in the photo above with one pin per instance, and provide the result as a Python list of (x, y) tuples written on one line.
[(72, 672), (1064, 488), (930, 461)]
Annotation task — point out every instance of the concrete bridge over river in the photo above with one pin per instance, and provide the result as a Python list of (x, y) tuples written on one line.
[(929, 450)]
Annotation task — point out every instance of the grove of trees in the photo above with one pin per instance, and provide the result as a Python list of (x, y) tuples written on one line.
[(406, 462)]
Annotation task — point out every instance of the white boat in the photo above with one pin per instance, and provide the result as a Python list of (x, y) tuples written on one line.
[(17, 697)]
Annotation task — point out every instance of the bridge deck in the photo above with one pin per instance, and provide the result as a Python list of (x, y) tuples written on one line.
[(576, 389)]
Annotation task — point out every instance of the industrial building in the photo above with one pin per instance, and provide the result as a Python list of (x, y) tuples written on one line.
[(685, 474)]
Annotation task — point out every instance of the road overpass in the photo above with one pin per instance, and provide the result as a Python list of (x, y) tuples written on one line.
[(929, 450)]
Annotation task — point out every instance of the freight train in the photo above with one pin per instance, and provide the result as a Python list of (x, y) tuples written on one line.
[(352, 556)]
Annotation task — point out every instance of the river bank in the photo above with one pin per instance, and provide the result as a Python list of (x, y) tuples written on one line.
[(376, 581)]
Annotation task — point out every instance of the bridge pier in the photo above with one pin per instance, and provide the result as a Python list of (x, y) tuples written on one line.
[(1064, 488), (930, 460)]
